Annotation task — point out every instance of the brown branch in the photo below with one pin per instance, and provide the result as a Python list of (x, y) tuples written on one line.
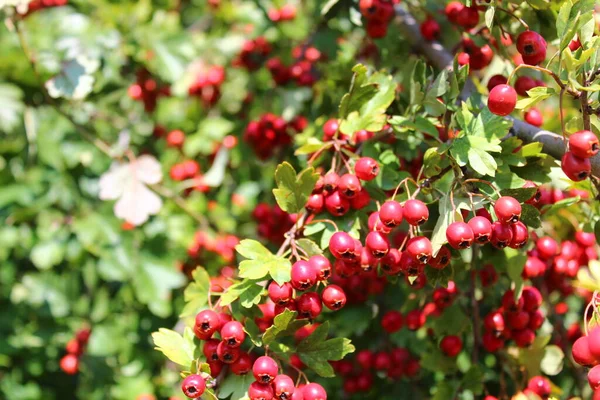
[(442, 59)]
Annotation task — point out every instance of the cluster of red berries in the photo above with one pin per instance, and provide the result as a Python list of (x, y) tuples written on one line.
[(476, 57), (359, 287), (378, 14), (253, 54), (286, 13), (271, 132), (586, 352), (36, 5), (358, 373), (515, 319), (272, 221), (430, 29), (303, 71), (184, 170), (147, 90), (461, 15), (576, 162), (338, 194), (222, 245), (207, 85), (305, 275), (75, 348)]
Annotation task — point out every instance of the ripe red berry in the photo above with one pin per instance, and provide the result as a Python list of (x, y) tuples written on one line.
[(501, 235), (366, 168), (532, 47), (69, 364), (215, 367), (523, 84), (265, 369), (546, 247), (584, 144), (309, 305), (242, 365), (482, 229), (494, 321), (452, 10), (330, 181), (283, 387), (390, 213), (540, 386), (382, 361), (260, 391), (517, 319), (314, 391), (175, 138), (415, 319), (207, 323), (420, 249), (349, 185), (502, 100), (451, 345), (534, 117), (468, 17), (210, 350), (315, 203), (491, 342), (536, 320), (304, 276), (430, 29), (280, 295), (390, 264), (508, 210), (227, 355), (342, 246), (460, 235), (495, 81), (361, 200), (415, 212), (392, 321), (594, 378), (378, 244), (442, 259), (334, 297), (576, 168), (581, 353), (520, 235), (336, 204), (524, 337), (594, 342), (509, 303), (193, 386), (233, 334)]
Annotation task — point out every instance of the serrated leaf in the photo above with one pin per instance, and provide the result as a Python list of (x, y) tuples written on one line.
[(196, 293), (515, 264), (482, 162), (310, 247), (521, 194), (530, 216), (253, 332), (175, 347), (75, 80), (235, 386), (535, 95), (248, 291), (316, 351), (284, 324), (473, 380), (453, 321), (261, 262), (312, 145), (11, 106), (439, 277), (292, 191)]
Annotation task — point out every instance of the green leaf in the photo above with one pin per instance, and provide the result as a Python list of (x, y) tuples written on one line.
[(48, 254), (210, 130), (235, 386), (293, 191), (310, 247), (439, 277), (597, 231), (536, 95), (489, 17), (248, 291), (177, 348), (196, 293), (482, 162), (316, 351), (530, 216), (261, 262), (312, 145), (253, 332), (562, 20), (515, 264), (284, 324), (11, 106), (473, 380), (521, 194), (453, 321), (364, 106), (74, 80), (552, 361)]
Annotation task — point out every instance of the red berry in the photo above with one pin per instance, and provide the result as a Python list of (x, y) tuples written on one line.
[(227, 355), (260, 391), (233, 334), (392, 321), (442, 259), (576, 168), (314, 391), (330, 128), (349, 185), (520, 235), (334, 297), (532, 47), (523, 338), (546, 247), (210, 350), (382, 361), (175, 138), (536, 320), (468, 17), (242, 365), (452, 10), (415, 319), (265, 369), (390, 264), (366, 168), (283, 387), (518, 319), (193, 386), (594, 342), (215, 367), (523, 84), (415, 212), (378, 244), (336, 204), (451, 345), (581, 353), (460, 235), (309, 305), (508, 210), (330, 181), (584, 144), (390, 213), (492, 343), (495, 81), (594, 377), (430, 29), (494, 321), (342, 246), (315, 203), (502, 100), (508, 301), (207, 322), (420, 249), (534, 117), (361, 200), (482, 229), (304, 276), (501, 235), (586, 239), (540, 386), (69, 364), (280, 295)]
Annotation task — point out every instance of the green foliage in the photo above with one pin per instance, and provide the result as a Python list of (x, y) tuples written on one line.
[(293, 190), (261, 262), (316, 350)]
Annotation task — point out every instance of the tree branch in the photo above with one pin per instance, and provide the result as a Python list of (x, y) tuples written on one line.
[(442, 59)]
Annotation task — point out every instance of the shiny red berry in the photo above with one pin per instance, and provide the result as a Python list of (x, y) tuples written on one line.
[(442, 259), (576, 168), (378, 244), (534, 117), (283, 387), (520, 235), (451, 345), (309, 305), (242, 365), (501, 235), (430, 29), (315, 203), (508, 210), (392, 321), (366, 168), (69, 364), (540, 386), (207, 322), (334, 297), (482, 229), (321, 265), (532, 47), (390, 213), (330, 181), (280, 295), (233, 333), (495, 81), (260, 391), (314, 391), (584, 144), (581, 353), (420, 249), (227, 354), (342, 246), (349, 185), (265, 369), (523, 84), (502, 100), (210, 350), (304, 276), (460, 235), (330, 128), (415, 212), (193, 386)]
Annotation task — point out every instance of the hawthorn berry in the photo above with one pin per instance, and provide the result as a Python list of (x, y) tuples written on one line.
[(342, 246), (314, 391), (349, 185), (265, 369), (377, 243), (69, 364), (452, 10), (468, 17), (594, 342), (442, 259), (540, 386), (175, 138), (392, 321), (334, 297), (233, 333), (415, 319), (336, 204), (460, 235), (523, 84), (584, 144), (382, 361), (482, 229), (495, 81), (508, 210), (430, 29), (534, 117), (420, 249), (193, 386), (242, 365), (309, 305), (390, 213), (520, 235), (330, 181), (451, 345), (315, 203), (280, 295), (523, 338), (361, 200), (502, 100), (532, 47), (415, 212), (227, 355), (390, 264), (576, 168), (304, 276), (502, 235), (582, 354), (494, 321), (547, 247), (260, 391), (207, 322), (532, 298), (321, 265), (210, 350), (366, 168)]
